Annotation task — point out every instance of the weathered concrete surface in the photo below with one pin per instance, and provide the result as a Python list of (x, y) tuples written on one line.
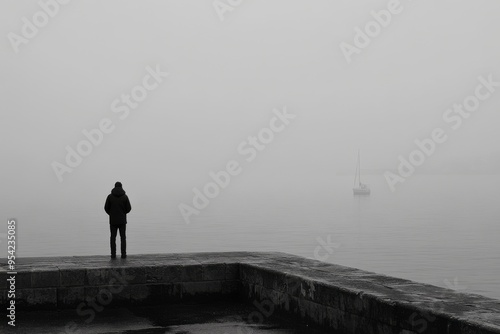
[(356, 301), (64, 282), (345, 299)]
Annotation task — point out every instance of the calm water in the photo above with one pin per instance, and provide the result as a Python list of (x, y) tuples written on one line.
[(442, 230)]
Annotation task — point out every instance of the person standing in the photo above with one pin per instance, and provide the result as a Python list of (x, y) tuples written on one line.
[(117, 206)]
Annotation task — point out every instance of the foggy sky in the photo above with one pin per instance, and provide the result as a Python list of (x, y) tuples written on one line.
[(225, 79)]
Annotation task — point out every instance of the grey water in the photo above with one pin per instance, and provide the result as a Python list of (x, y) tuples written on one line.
[(438, 229)]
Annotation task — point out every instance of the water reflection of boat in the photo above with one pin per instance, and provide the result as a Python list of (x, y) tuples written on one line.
[(359, 187)]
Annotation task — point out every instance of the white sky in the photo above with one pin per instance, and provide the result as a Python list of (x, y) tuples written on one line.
[(225, 79)]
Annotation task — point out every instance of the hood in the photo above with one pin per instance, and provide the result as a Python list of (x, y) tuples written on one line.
[(118, 192)]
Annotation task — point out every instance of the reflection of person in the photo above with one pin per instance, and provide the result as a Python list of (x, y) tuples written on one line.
[(117, 206)]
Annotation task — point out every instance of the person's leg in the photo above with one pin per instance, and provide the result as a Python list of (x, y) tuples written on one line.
[(112, 240), (123, 240)]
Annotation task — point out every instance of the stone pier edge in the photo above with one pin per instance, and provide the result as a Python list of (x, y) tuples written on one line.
[(346, 299)]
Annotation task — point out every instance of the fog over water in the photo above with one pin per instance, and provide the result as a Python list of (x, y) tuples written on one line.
[(279, 95)]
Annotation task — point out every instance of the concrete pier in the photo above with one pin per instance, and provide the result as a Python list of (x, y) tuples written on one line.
[(335, 297)]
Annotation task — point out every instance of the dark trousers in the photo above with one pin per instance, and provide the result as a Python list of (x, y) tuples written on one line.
[(123, 239)]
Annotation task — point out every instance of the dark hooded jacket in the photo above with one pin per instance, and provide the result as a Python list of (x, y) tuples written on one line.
[(117, 206)]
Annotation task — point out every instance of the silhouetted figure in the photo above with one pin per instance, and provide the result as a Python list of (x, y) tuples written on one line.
[(117, 206)]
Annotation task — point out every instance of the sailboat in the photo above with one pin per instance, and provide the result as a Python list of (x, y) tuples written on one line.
[(359, 187)]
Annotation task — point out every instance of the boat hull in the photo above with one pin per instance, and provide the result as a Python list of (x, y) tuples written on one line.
[(361, 191)]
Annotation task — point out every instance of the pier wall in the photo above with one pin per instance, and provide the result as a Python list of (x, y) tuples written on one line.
[(337, 297)]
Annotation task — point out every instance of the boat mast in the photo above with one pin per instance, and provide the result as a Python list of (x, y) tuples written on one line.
[(357, 172), (359, 168)]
